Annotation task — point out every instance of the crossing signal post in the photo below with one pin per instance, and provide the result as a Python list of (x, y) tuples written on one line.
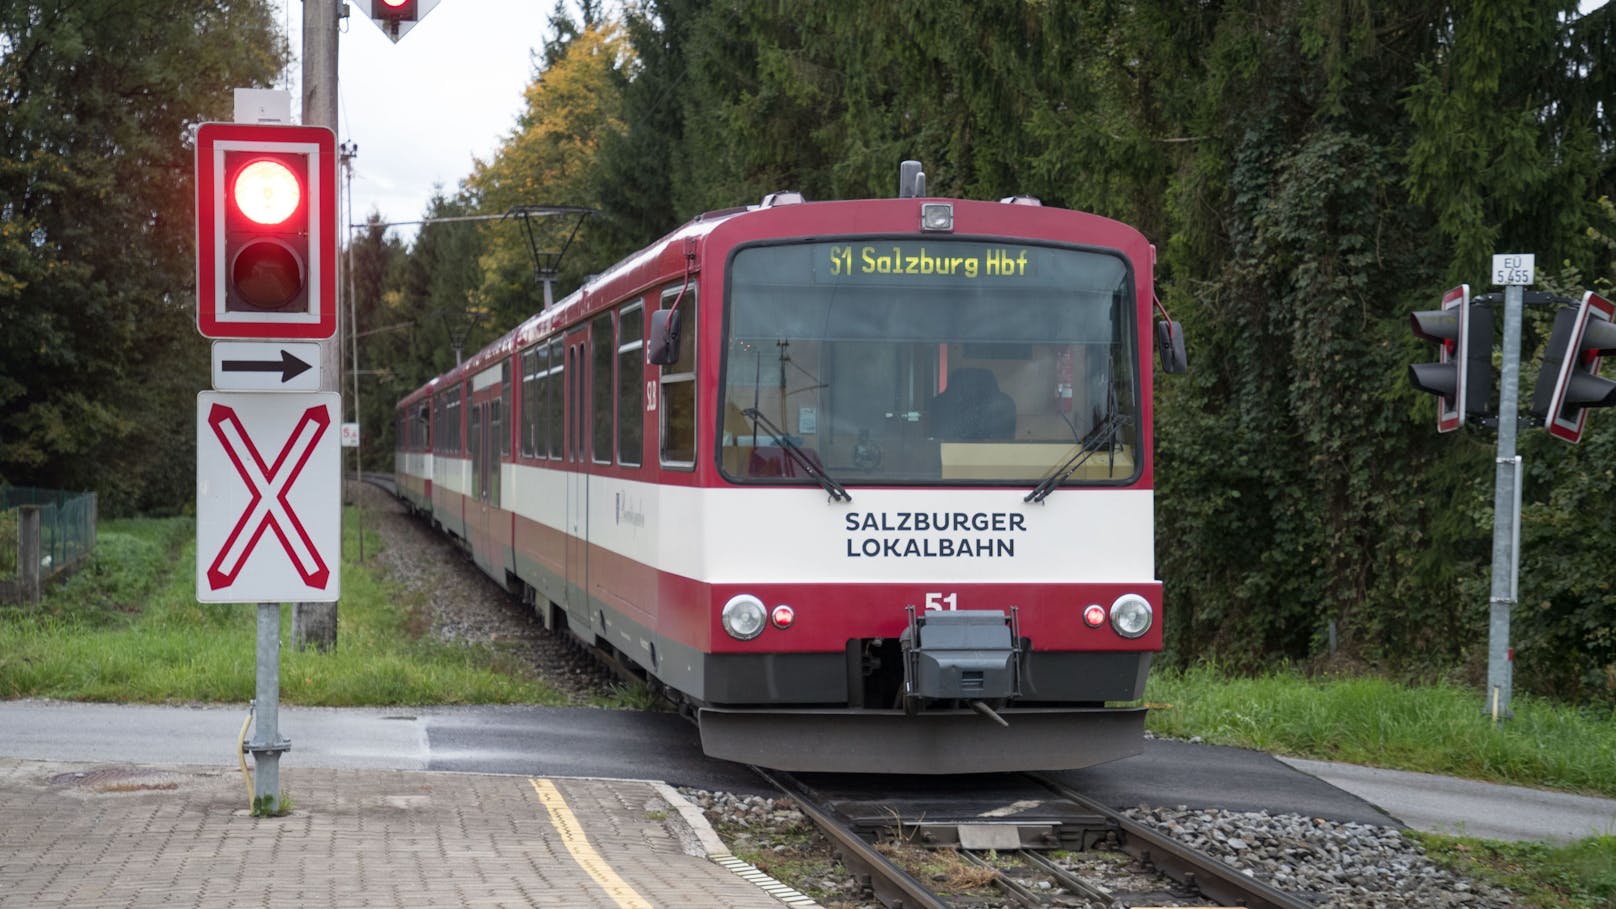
[(266, 215), (266, 229), (1569, 383)]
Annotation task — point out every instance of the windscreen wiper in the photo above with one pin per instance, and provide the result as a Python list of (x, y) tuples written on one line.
[(795, 452), (1101, 436)]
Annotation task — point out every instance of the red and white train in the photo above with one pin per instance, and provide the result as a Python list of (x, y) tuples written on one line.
[(864, 485)]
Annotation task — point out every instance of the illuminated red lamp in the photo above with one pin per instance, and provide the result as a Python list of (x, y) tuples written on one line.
[(1094, 616), (783, 616), (396, 10)]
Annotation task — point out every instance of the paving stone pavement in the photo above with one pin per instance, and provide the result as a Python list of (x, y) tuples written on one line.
[(94, 835)]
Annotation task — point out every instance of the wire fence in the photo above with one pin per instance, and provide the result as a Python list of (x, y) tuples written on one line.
[(65, 536)]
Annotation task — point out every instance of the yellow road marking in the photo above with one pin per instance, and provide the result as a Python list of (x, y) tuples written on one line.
[(572, 835)]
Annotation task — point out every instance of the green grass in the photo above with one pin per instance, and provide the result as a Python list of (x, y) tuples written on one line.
[(128, 628), (1579, 876), (1434, 729)]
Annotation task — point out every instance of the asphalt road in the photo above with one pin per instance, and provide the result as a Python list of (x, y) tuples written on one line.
[(555, 741), (584, 742)]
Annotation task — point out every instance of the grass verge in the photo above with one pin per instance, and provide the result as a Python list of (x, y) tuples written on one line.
[(128, 628), (1432, 729), (1581, 875)]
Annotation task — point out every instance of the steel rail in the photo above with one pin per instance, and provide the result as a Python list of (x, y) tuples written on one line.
[(1183, 863), (892, 884), (1067, 879)]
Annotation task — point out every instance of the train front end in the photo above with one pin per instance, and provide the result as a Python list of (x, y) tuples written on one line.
[(927, 538)]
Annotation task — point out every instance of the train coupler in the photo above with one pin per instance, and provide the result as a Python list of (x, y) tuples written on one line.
[(965, 655)]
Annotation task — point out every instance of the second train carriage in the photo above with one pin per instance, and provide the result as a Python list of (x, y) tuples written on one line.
[(866, 485)]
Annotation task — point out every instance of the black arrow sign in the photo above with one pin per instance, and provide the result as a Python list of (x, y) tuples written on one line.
[(289, 366)]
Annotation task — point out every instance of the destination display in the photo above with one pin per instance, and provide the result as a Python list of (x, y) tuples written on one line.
[(950, 260)]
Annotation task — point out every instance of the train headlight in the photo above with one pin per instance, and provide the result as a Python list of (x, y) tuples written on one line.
[(1094, 615), (1131, 615), (743, 616), (936, 216)]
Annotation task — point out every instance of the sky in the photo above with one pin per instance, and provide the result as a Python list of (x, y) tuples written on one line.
[(421, 110)]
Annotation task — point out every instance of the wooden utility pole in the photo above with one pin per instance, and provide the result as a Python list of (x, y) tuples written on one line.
[(315, 624)]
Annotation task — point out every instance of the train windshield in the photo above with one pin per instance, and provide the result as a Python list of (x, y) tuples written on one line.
[(929, 361)]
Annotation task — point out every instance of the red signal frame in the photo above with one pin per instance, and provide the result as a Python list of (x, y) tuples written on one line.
[(1593, 307), (315, 147)]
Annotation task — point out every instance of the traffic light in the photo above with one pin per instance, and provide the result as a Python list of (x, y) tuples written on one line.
[(395, 10), (1462, 376), (387, 14), (266, 216), (1569, 382)]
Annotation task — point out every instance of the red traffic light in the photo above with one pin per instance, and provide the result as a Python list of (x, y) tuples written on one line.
[(394, 10), (266, 231)]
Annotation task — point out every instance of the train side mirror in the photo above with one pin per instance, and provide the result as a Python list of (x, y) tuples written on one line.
[(1170, 344), (664, 349)]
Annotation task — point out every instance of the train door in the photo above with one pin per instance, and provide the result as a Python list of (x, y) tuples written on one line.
[(488, 527), (577, 471), (476, 508)]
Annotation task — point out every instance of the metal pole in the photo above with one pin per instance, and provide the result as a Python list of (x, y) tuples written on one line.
[(350, 150), (1506, 511), (267, 744)]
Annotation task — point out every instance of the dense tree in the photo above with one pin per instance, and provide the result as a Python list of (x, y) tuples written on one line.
[(99, 356), (1311, 170), (572, 106), (383, 334)]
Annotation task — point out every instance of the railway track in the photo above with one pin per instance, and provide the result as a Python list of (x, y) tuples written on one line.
[(1022, 840)]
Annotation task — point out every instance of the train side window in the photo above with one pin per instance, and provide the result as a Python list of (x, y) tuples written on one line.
[(457, 425), (503, 406), (678, 405), (528, 426), (630, 384), (600, 385), (437, 422), (554, 412), (474, 447)]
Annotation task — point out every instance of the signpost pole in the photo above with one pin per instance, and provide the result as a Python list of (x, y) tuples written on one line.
[(1515, 272), (267, 745)]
